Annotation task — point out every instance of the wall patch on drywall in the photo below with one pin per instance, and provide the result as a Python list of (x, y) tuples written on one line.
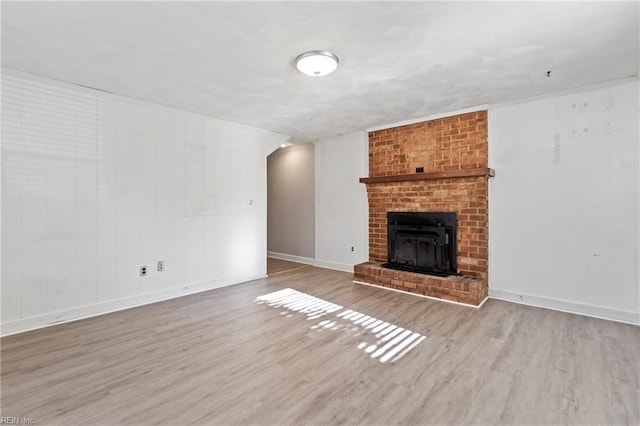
[(556, 149)]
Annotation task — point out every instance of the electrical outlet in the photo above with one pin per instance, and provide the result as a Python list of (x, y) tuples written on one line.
[(160, 265), (352, 248), (143, 271)]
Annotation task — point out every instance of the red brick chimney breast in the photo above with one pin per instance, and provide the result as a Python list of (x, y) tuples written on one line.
[(451, 144)]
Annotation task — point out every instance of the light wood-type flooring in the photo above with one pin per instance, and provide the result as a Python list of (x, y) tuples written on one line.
[(310, 347), (279, 266)]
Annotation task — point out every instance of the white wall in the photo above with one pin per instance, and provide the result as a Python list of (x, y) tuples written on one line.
[(341, 201), (291, 205), (83, 208), (563, 215)]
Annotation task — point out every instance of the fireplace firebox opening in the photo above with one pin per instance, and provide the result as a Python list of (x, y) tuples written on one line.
[(423, 242)]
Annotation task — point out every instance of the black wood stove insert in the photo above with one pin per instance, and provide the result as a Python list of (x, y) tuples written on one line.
[(422, 242)]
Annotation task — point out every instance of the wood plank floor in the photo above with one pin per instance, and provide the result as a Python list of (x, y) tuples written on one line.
[(279, 266), (255, 353)]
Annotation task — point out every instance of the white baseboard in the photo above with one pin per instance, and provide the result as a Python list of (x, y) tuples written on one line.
[(74, 314), (314, 262), (602, 312), (334, 265), (291, 257)]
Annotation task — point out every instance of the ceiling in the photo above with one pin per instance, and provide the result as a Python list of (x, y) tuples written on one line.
[(398, 61)]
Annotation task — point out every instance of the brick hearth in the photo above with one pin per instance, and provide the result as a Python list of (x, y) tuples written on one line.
[(461, 289), (451, 146)]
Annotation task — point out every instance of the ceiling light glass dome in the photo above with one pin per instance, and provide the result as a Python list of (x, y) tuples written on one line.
[(317, 63)]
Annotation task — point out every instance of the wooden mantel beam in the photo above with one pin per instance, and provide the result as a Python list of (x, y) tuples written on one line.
[(429, 176)]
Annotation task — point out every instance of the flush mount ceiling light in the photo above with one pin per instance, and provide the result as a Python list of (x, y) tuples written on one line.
[(317, 63)]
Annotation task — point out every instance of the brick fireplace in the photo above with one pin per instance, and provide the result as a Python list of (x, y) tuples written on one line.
[(452, 153)]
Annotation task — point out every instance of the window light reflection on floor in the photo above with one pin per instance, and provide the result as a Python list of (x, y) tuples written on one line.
[(389, 342)]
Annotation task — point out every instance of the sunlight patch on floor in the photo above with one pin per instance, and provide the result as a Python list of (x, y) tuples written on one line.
[(381, 340)]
